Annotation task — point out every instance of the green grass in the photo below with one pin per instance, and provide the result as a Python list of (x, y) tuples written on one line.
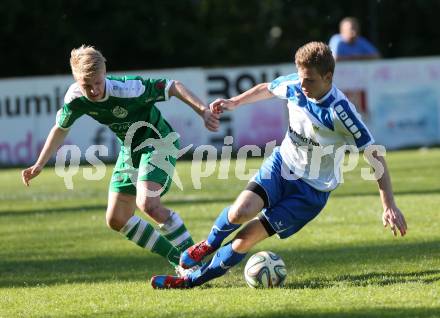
[(58, 259)]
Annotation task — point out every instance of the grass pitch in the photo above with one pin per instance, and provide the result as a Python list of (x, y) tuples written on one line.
[(58, 259)]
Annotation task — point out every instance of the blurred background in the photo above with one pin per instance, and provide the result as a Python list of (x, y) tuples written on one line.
[(218, 49), (37, 36)]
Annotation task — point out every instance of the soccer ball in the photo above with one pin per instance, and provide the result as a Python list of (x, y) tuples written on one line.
[(265, 270)]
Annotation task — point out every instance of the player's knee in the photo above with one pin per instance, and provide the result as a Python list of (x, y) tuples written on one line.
[(144, 205), (114, 222), (148, 206), (240, 213), (242, 245)]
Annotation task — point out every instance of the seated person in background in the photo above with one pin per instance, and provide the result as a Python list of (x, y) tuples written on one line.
[(349, 45)]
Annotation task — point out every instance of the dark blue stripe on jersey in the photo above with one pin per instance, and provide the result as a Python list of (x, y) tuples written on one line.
[(356, 127), (322, 114), (327, 102), (290, 92), (300, 97)]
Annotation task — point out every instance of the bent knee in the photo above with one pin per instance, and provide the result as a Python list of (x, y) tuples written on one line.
[(242, 245), (147, 206), (115, 222), (240, 213)]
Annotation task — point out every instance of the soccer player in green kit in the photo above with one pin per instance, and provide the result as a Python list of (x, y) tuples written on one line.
[(120, 103)]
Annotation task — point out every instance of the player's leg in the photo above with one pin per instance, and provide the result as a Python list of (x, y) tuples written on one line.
[(121, 207), (120, 217), (292, 204), (226, 257), (152, 184), (288, 216), (230, 254), (245, 207), (261, 191), (291, 213), (171, 225)]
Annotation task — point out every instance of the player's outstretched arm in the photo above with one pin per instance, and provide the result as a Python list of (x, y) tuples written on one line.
[(211, 120), (54, 140), (255, 94), (392, 215)]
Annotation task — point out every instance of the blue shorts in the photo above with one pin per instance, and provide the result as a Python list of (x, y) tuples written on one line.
[(291, 203)]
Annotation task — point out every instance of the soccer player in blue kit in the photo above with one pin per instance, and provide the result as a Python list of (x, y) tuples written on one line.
[(288, 189)]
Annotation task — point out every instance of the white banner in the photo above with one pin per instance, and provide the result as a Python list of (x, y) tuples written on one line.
[(28, 109), (255, 124), (398, 99), (27, 112), (404, 102)]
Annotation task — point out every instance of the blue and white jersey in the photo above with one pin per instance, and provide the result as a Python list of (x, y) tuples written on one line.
[(319, 130)]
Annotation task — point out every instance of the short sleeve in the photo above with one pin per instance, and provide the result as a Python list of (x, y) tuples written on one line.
[(283, 86), (157, 90), (66, 116), (356, 132)]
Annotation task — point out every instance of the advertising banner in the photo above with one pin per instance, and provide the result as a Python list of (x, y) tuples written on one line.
[(404, 102), (28, 110), (253, 124), (398, 99)]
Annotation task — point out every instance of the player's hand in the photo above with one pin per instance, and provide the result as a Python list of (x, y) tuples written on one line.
[(395, 219), (30, 173), (212, 122), (220, 105)]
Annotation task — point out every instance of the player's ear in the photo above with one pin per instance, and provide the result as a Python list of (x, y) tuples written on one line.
[(328, 77)]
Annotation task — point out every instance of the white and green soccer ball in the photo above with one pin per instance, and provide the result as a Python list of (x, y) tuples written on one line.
[(265, 270)]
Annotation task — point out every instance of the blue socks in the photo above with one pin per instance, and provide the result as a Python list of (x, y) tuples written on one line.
[(221, 229), (223, 259)]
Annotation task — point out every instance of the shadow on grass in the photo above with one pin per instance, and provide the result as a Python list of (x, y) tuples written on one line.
[(383, 312), (70, 209), (348, 193), (321, 262), (76, 270), (200, 200), (138, 265), (374, 278), (103, 207), (192, 201)]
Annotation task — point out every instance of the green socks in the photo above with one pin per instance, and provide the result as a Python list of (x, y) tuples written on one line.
[(143, 234)]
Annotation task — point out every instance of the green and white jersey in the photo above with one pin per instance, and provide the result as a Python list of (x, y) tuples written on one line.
[(127, 100)]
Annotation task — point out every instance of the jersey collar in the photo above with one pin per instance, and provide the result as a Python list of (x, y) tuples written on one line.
[(326, 100)]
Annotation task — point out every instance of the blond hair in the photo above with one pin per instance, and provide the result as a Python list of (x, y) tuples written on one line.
[(86, 61), (317, 55)]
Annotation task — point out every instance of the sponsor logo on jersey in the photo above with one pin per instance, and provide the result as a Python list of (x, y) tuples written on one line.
[(301, 140), (119, 112), (119, 127)]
